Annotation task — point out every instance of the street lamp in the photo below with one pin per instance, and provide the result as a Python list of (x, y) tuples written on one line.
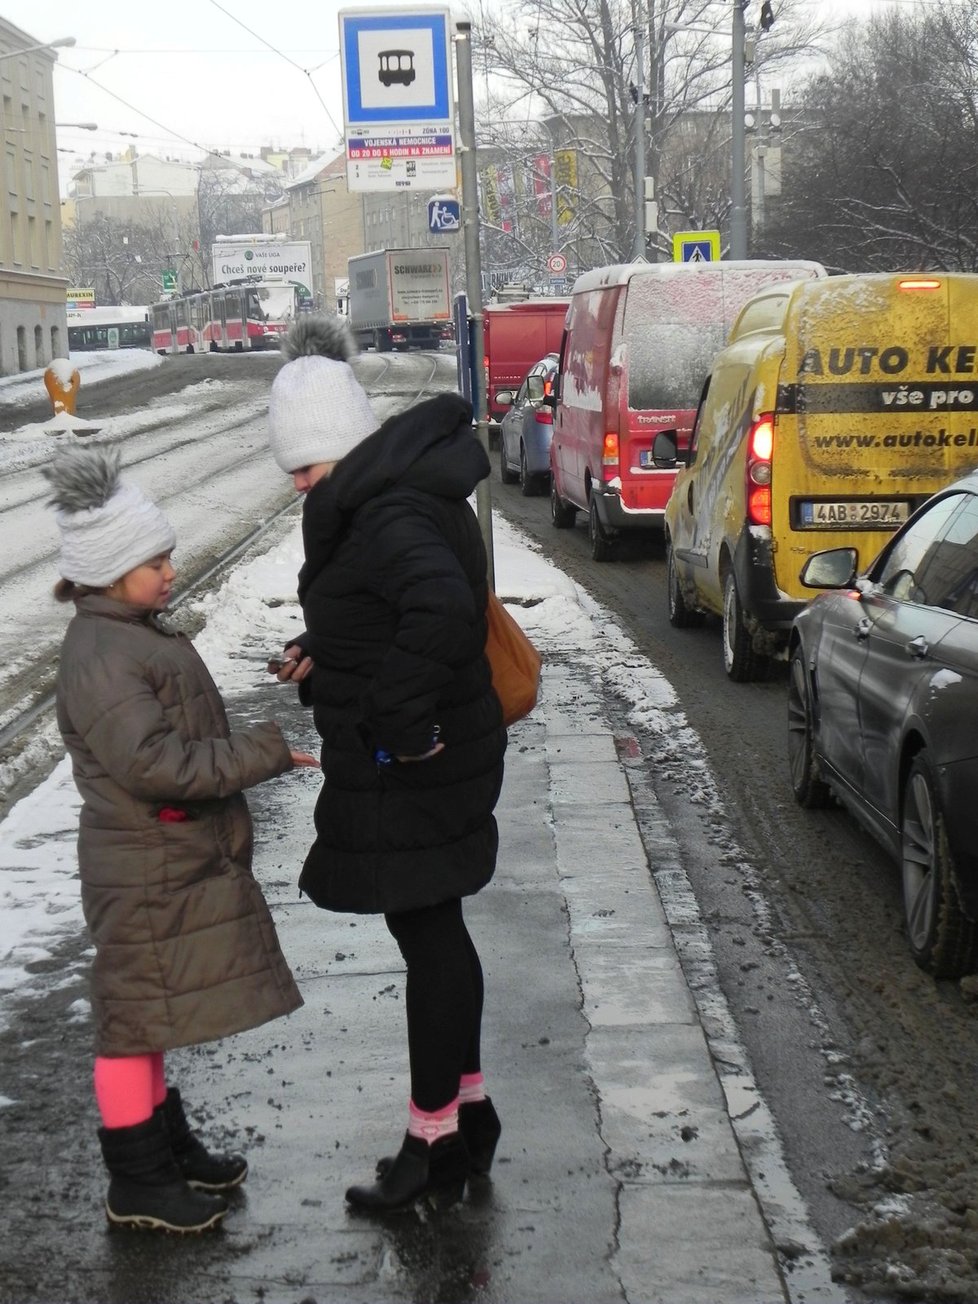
[(85, 126), (47, 45)]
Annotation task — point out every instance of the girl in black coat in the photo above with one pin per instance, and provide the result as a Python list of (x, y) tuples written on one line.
[(393, 591)]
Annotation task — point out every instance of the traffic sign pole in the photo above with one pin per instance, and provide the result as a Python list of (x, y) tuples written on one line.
[(473, 272)]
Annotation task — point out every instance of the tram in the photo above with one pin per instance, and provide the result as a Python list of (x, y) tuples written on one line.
[(108, 328), (230, 318)]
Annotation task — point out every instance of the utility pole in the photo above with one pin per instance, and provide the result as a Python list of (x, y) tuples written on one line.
[(638, 249), (473, 271), (738, 211)]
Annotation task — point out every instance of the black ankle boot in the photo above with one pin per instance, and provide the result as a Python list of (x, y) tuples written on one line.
[(147, 1188), (201, 1169), (480, 1127), (435, 1173)]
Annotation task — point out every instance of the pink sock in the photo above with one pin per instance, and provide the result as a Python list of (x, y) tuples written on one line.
[(432, 1126), (471, 1087), (128, 1087)]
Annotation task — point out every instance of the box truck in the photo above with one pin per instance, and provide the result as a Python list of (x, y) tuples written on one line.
[(399, 298)]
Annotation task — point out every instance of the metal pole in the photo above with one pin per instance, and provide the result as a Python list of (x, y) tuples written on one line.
[(473, 270), (638, 249), (738, 212)]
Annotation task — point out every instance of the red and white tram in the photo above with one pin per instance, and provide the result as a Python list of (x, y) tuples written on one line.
[(229, 318)]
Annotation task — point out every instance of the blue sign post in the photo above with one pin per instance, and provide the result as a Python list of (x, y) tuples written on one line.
[(444, 215), (397, 99)]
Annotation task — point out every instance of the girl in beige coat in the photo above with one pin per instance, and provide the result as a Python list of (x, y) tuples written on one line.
[(185, 947)]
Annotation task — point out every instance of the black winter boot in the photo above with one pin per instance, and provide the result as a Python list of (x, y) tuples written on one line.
[(147, 1188), (201, 1169), (435, 1173), (480, 1127)]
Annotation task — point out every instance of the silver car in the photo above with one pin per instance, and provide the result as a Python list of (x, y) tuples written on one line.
[(527, 429)]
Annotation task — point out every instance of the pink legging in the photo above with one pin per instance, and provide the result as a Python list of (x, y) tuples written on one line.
[(129, 1087)]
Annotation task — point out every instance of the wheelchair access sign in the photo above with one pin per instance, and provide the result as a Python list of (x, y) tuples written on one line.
[(398, 111), (696, 247)]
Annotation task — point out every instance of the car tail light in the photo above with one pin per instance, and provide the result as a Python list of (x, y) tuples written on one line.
[(760, 450), (543, 416), (918, 283), (609, 456)]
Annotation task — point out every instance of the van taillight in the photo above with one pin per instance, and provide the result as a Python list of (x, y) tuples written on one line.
[(918, 283), (609, 456), (760, 449)]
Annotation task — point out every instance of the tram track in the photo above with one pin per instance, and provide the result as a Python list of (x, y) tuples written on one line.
[(29, 742)]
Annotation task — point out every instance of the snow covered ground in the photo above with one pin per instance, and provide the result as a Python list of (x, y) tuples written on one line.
[(39, 900)]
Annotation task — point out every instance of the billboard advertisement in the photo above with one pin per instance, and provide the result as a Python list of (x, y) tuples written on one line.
[(290, 259)]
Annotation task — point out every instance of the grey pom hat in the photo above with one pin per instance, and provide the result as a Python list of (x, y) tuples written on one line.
[(318, 410), (108, 527)]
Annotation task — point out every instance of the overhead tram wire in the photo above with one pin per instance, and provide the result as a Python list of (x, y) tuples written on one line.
[(275, 50), (176, 135)]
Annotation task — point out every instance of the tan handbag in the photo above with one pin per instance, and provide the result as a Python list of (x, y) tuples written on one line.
[(514, 661)]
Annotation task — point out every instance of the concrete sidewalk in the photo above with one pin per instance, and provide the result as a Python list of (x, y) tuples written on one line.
[(638, 1161), (619, 1175)]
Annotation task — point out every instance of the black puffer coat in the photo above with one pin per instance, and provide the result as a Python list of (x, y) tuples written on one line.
[(393, 591)]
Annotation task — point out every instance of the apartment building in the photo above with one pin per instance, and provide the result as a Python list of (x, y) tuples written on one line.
[(32, 284)]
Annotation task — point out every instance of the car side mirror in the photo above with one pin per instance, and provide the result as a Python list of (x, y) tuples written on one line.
[(504, 398), (665, 449), (534, 388), (834, 569)]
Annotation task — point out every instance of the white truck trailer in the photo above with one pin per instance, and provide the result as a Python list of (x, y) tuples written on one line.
[(400, 298)]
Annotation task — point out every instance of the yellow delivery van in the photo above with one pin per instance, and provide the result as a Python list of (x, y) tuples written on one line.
[(836, 407)]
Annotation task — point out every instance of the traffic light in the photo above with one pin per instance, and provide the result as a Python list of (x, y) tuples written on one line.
[(767, 16)]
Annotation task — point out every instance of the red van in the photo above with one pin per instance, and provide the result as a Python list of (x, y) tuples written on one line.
[(638, 346), (516, 336)]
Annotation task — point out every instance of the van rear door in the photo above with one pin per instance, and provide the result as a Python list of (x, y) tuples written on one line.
[(877, 409)]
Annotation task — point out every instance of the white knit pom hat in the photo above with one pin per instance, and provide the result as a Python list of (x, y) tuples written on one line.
[(318, 410), (108, 528)]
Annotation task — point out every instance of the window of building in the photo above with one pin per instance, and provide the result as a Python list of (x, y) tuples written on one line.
[(55, 342), (38, 346), (22, 348)]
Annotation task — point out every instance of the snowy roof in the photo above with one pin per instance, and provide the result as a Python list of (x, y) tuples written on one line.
[(311, 172)]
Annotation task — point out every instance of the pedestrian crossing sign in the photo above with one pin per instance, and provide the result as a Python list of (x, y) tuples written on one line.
[(696, 247)]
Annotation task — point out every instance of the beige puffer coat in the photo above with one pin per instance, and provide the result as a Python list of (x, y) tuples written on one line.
[(186, 950)]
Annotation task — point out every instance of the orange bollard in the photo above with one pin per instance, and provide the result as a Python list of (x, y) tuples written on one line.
[(61, 380)]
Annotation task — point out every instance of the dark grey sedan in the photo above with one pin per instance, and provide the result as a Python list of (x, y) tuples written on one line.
[(527, 428), (883, 712)]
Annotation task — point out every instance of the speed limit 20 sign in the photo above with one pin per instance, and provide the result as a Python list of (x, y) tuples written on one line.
[(556, 264)]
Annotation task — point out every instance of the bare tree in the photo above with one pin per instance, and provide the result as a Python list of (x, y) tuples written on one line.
[(118, 258), (883, 170), (566, 76)]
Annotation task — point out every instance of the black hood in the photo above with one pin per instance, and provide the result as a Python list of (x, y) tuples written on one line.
[(431, 447)]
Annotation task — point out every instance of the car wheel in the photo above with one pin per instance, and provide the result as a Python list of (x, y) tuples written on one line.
[(740, 660), (602, 548), (505, 474), (942, 939), (681, 616), (562, 514), (529, 484), (810, 790)]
